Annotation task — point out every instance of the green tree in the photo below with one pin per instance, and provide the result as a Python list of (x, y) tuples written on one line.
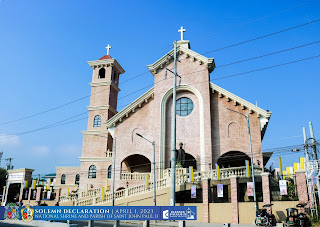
[(3, 174)]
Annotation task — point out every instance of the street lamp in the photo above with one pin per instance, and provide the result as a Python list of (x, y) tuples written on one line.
[(252, 169), (154, 168)]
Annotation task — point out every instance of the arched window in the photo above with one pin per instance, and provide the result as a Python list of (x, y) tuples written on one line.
[(63, 179), (102, 73), (92, 171), (97, 121), (77, 181), (109, 171)]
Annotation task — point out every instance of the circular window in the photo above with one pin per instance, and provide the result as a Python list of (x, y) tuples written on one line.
[(184, 106)]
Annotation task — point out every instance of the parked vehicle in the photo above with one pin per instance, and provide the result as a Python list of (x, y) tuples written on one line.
[(264, 216), (292, 214), (296, 218)]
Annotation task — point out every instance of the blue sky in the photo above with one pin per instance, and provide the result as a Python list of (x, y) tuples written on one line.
[(45, 46)]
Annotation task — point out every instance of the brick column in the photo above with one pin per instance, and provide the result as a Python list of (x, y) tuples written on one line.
[(38, 196), (234, 199), (302, 186), (266, 188), (58, 193), (205, 199)]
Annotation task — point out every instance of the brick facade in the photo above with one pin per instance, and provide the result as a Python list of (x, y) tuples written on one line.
[(234, 199), (205, 198), (266, 188), (302, 186)]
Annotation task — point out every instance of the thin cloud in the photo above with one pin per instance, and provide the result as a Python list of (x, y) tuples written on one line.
[(7, 141)]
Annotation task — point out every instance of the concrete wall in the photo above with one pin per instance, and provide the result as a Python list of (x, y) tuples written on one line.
[(220, 212)]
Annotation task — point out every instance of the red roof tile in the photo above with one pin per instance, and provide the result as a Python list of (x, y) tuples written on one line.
[(105, 57)]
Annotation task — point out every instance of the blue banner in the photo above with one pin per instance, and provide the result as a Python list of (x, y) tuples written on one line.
[(29, 213)]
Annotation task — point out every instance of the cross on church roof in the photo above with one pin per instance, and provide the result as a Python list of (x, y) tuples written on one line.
[(181, 31), (108, 48)]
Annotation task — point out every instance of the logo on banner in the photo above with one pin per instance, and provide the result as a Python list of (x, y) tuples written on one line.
[(11, 212), (190, 214), (165, 214), (27, 213), (179, 214)]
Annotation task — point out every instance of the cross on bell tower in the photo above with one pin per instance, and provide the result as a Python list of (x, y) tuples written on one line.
[(108, 49), (182, 30)]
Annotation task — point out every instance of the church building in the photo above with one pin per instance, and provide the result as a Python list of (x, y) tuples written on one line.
[(211, 125)]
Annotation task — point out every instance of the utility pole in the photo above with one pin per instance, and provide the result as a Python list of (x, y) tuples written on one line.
[(116, 222), (315, 156), (154, 168), (9, 166), (174, 130), (252, 167), (114, 169), (1, 154), (313, 143), (308, 175)]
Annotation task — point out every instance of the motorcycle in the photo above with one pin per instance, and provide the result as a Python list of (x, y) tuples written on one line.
[(263, 217), (295, 218), (292, 214), (303, 219)]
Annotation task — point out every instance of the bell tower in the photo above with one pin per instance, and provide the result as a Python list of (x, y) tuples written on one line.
[(95, 158), (104, 90), (103, 105)]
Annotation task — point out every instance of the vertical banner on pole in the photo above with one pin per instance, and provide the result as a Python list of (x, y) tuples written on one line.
[(220, 190), (34, 183), (102, 193), (191, 174), (107, 185), (288, 172), (48, 194), (302, 163), (295, 167), (280, 166), (218, 171), (250, 188), (26, 184), (283, 187), (284, 174), (67, 193), (87, 188), (147, 180), (247, 169), (193, 191), (49, 183)]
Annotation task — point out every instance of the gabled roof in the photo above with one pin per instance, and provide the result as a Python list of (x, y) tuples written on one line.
[(182, 48), (130, 108), (263, 115)]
